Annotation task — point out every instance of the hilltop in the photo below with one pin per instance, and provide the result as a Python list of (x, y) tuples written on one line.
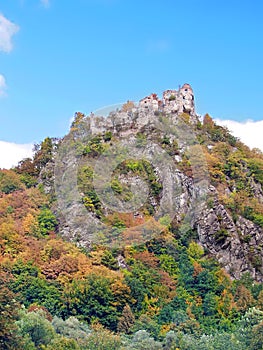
[(200, 158), (139, 229)]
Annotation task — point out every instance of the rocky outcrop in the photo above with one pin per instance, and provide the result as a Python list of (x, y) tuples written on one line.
[(256, 189), (174, 102), (237, 245)]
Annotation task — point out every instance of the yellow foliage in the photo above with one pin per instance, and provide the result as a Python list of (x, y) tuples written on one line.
[(226, 303), (198, 301), (30, 224), (151, 305), (121, 293), (128, 106), (223, 278), (165, 329), (195, 250)]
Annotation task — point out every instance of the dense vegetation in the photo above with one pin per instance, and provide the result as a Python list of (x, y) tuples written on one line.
[(169, 295)]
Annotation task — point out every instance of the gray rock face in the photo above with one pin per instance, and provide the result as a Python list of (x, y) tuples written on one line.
[(235, 245), (257, 190)]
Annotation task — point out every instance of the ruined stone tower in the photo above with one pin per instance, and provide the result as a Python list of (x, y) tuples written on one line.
[(173, 101)]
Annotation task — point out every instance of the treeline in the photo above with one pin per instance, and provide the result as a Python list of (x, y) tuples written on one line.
[(36, 329)]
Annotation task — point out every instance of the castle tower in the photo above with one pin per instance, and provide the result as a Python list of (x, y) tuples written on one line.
[(181, 101)]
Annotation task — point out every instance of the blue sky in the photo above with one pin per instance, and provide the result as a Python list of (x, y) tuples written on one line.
[(62, 56)]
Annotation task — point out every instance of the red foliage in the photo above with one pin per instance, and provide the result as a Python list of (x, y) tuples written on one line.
[(149, 259)]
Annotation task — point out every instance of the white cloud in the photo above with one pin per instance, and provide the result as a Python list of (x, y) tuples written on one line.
[(250, 132), (45, 3), (2, 86), (7, 30), (12, 153)]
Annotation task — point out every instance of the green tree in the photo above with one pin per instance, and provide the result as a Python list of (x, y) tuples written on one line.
[(62, 343), (257, 337), (101, 339), (9, 307), (142, 340), (33, 289), (72, 328), (92, 300), (36, 326), (108, 260), (47, 221), (149, 324), (9, 182)]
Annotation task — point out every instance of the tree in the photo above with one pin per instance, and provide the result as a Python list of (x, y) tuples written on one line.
[(62, 343), (43, 153), (142, 340), (47, 221), (36, 326), (186, 278), (149, 324), (108, 260), (92, 299), (33, 289), (30, 225), (126, 321), (78, 119), (249, 329), (257, 337), (27, 171), (205, 283), (128, 106), (260, 300), (72, 328), (101, 339), (195, 250), (26, 166), (9, 311), (9, 181), (244, 298), (208, 122)]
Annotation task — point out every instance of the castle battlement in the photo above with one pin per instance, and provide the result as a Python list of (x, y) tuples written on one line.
[(173, 101)]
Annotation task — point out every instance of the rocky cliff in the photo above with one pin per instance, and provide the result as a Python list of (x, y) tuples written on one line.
[(194, 177)]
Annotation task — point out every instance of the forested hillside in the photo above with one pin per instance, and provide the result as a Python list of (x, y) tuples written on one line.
[(197, 288)]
